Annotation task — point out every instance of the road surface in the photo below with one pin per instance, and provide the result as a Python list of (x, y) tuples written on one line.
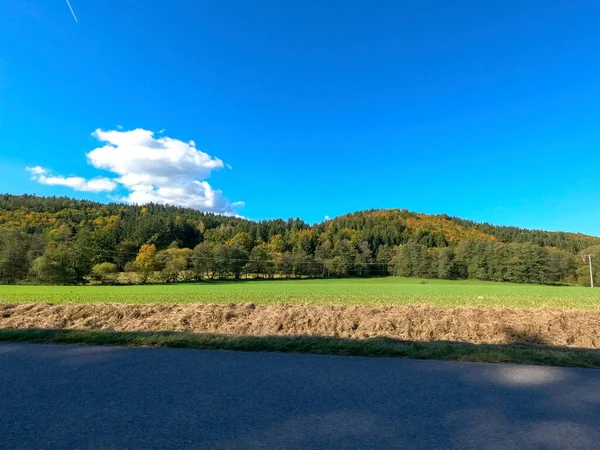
[(60, 396)]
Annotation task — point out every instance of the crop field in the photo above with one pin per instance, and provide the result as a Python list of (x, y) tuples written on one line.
[(355, 292), (394, 316)]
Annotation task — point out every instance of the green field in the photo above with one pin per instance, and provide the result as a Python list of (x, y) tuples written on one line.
[(373, 291)]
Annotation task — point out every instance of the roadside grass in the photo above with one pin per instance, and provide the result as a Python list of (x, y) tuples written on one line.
[(365, 292), (374, 347)]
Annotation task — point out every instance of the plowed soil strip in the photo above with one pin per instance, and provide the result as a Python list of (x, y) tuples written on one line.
[(547, 326)]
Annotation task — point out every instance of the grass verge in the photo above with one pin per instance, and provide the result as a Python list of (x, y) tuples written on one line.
[(509, 353)]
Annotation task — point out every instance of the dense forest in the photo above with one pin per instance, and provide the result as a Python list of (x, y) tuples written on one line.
[(59, 240)]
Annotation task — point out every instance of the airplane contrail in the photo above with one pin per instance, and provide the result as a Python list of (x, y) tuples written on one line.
[(72, 12)]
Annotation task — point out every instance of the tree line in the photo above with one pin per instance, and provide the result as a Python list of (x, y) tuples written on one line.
[(58, 240)]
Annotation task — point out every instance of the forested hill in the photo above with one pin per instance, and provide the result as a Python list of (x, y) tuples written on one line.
[(568, 241), (72, 236), (442, 230), (35, 214)]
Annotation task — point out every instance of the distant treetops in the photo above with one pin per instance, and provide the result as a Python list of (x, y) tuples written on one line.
[(59, 240)]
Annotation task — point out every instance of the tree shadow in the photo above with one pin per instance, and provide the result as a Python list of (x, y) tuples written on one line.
[(524, 348), (98, 397), (523, 337)]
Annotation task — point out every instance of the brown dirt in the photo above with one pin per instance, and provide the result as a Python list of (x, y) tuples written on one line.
[(550, 326)]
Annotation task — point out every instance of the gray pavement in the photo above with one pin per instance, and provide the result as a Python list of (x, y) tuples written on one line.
[(59, 396)]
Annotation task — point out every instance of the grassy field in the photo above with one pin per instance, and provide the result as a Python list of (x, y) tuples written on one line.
[(368, 292)]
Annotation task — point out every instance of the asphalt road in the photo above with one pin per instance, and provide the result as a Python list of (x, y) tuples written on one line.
[(54, 396)]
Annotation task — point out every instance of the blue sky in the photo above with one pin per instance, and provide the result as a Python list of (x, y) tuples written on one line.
[(485, 110)]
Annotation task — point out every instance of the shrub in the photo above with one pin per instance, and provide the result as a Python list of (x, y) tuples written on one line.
[(104, 272)]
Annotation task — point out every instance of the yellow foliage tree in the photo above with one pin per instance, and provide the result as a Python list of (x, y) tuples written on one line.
[(244, 239), (145, 261), (277, 244)]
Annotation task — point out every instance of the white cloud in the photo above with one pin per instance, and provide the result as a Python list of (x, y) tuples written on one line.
[(99, 184), (195, 194), (152, 169), (37, 170), (327, 218)]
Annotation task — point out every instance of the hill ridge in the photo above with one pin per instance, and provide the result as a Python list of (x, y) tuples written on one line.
[(60, 238)]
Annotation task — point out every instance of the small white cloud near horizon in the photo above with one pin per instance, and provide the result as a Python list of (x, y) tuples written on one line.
[(37, 170), (98, 184), (327, 218), (152, 169)]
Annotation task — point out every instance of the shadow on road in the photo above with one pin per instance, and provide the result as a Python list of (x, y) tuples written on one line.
[(115, 397)]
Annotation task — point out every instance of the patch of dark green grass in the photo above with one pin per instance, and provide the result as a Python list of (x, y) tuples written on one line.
[(374, 347)]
